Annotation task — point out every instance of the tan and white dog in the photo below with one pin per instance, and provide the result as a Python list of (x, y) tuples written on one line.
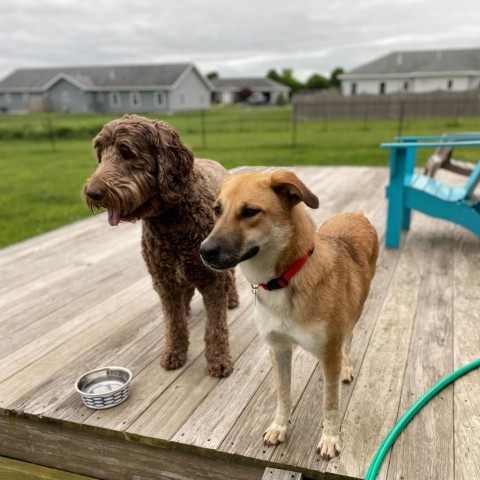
[(311, 285)]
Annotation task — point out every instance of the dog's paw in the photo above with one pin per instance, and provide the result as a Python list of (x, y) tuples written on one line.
[(275, 434), (329, 445), (220, 369), (347, 374), (173, 360)]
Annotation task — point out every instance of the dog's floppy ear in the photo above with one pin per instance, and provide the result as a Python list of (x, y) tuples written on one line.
[(289, 186), (175, 162)]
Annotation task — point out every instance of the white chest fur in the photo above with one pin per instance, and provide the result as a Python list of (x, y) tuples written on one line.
[(278, 323)]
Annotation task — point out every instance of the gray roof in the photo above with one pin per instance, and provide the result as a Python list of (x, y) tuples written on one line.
[(103, 77), (252, 83), (423, 62)]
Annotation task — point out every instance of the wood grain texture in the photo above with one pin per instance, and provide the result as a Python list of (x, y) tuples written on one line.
[(276, 474), (44, 266), (246, 436), (14, 470), (49, 354), (212, 420), (466, 349), (425, 448), (375, 400), (153, 382), (110, 458), (64, 300)]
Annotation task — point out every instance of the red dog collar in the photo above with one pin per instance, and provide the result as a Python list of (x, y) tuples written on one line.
[(282, 280)]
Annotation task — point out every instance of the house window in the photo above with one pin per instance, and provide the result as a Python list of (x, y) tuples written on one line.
[(135, 99), (159, 99), (99, 97), (115, 99), (450, 84), (182, 99), (405, 86), (25, 97), (353, 89), (65, 96), (8, 98), (382, 88)]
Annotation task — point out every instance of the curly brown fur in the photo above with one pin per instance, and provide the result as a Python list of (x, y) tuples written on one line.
[(145, 172)]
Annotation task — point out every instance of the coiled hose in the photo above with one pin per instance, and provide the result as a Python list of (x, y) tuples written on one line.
[(411, 412)]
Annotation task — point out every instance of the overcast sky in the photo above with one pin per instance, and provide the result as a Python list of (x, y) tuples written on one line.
[(234, 38)]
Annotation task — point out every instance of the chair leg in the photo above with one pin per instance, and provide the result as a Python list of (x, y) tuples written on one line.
[(402, 162), (406, 219), (394, 224)]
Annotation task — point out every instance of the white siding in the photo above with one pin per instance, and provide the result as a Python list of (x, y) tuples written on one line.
[(227, 97), (415, 85), (473, 82), (430, 84)]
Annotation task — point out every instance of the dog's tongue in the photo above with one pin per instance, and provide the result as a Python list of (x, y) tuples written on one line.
[(113, 217)]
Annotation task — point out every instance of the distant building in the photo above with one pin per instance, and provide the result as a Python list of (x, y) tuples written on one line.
[(415, 72), (264, 91), (110, 89)]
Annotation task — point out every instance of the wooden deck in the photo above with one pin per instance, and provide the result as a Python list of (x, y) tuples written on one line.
[(80, 297)]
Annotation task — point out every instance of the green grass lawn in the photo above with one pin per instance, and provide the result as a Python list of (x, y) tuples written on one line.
[(45, 159)]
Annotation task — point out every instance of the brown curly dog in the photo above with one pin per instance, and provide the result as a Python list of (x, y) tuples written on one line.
[(145, 172)]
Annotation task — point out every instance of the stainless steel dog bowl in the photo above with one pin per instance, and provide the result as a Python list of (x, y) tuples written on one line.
[(104, 387)]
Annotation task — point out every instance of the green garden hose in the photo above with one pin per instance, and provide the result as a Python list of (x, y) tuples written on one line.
[(411, 412)]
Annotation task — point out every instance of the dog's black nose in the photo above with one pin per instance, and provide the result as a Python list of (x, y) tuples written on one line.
[(94, 193), (210, 251)]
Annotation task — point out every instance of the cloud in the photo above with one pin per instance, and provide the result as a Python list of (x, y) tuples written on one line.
[(233, 38)]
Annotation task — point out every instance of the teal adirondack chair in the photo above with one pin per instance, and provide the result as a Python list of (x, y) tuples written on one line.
[(408, 190)]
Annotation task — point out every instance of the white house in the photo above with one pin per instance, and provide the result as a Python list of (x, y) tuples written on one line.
[(415, 72), (263, 91)]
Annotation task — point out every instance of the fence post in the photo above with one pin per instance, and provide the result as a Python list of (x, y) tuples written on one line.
[(401, 115), (203, 129), (294, 125), (51, 133)]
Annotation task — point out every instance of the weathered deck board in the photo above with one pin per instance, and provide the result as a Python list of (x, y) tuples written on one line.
[(48, 354), (41, 268), (428, 442), (79, 297), (15, 470), (107, 457), (466, 349), (63, 300), (275, 474), (155, 408)]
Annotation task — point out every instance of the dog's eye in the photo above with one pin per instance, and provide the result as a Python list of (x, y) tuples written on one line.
[(249, 212), (125, 151), (217, 210)]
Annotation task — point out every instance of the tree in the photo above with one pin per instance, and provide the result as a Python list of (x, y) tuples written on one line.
[(287, 78), (212, 75), (273, 75), (281, 100), (317, 82), (334, 80)]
